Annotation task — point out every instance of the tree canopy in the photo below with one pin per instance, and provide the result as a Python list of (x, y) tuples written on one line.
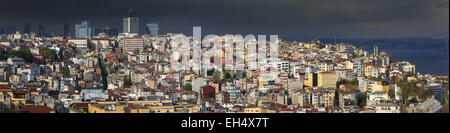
[(127, 81), (22, 53), (411, 89), (48, 53), (66, 71), (187, 86)]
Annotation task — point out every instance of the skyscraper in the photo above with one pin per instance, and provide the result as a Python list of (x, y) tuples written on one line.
[(84, 30), (27, 28), (131, 23), (2, 30), (152, 28), (41, 30), (66, 29), (11, 29)]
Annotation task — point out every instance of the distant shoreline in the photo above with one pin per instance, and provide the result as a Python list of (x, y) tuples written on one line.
[(432, 62), (441, 44)]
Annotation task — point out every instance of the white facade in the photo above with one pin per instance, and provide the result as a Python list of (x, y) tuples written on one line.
[(79, 43)]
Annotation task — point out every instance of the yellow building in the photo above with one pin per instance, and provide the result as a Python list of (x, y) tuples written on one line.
[(328, 98), (125, 107), (260, 81), (74, 110), (112, 108), (136, 108), (253, 110), (103, 108), (368, 70), (411, 79), (161, 109), (321, 79), (327, 79), (187, 108), (377, 87), (256, 109), (151, 83), (386, 88), (134, 102)]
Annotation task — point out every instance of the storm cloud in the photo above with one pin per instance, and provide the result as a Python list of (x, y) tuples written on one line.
[(288, 18)]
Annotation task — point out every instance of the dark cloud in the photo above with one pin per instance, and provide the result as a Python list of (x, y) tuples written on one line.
[(293, 18)]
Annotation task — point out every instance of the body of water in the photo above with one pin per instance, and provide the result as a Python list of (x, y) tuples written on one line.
[(426, 61)]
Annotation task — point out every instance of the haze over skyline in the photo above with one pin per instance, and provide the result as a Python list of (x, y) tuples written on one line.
[(287, 18)]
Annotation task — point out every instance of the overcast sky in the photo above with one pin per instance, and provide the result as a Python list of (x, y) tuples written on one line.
[(287, 18)]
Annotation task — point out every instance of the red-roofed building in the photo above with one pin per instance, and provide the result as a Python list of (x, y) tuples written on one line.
[(112, 57), (35, 109), (208, 93)]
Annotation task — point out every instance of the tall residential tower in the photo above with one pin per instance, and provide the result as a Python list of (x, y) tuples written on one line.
[(131, 23), (152, 28), (84, 30)]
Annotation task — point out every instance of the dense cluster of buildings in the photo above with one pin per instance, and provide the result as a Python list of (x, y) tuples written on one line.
[(131, 73)]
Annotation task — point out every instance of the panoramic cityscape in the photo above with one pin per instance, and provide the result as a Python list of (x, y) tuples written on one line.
[(88, 67)]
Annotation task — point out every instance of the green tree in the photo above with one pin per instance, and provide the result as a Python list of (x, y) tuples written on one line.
[(361, 100), (379, 78), (443, 101), (123, 58), (187, 86), (423, 93), (48, 53), (108, 65), (127, 81), (226, 75), (446, 108), (411, 89), (3, 54), (22, 53), (391, 93), (66, 71)]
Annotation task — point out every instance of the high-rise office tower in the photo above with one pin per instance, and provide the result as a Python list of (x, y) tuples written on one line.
[(27, 28), (152, 28), (84, 30), (11, 29), (66, 29), (131, 23), (41, 30), (2, 30)]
